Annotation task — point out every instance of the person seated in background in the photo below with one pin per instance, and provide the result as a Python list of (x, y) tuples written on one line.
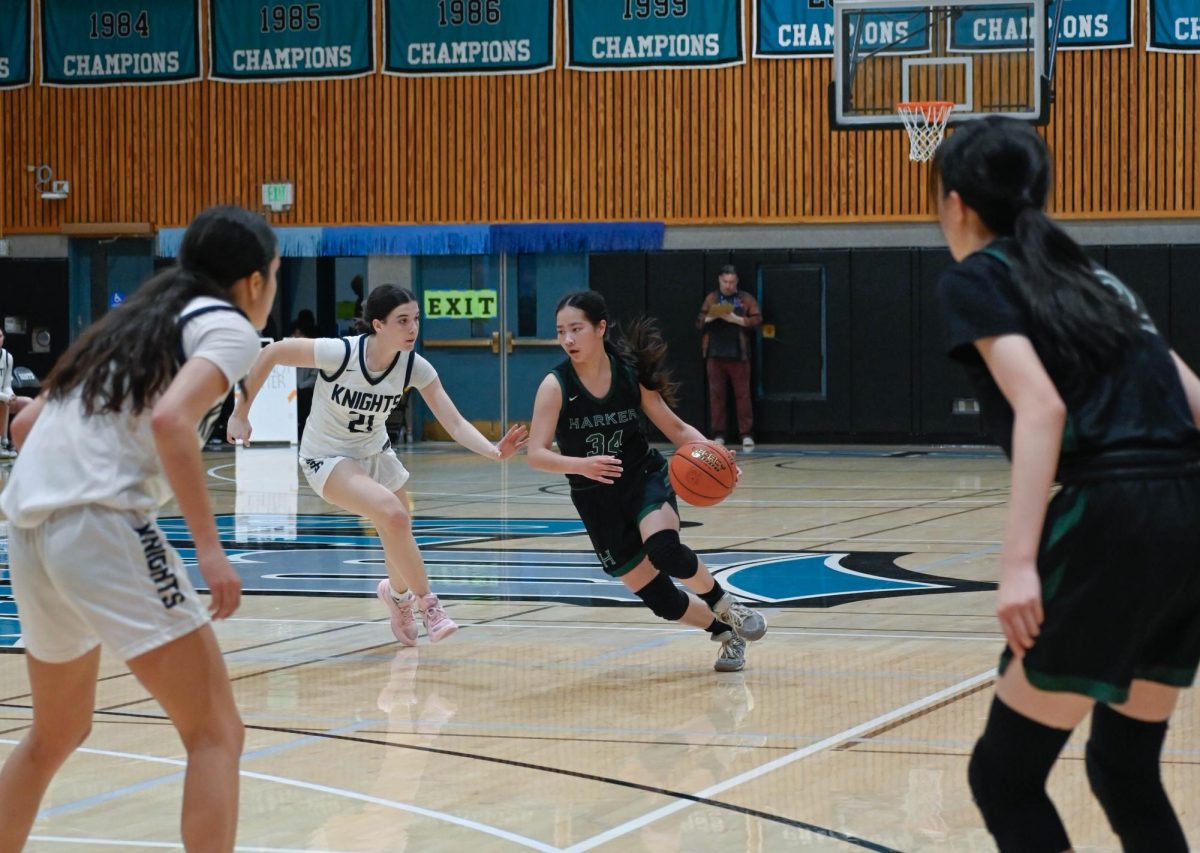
[(10, 402)]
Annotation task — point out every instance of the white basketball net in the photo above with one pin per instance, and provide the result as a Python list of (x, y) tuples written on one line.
[(925, 122)]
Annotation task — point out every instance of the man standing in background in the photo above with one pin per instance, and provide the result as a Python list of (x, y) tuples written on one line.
[(726, 318)]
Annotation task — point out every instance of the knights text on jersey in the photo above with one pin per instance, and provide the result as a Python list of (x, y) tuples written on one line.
[(612, 425), (350, 405)]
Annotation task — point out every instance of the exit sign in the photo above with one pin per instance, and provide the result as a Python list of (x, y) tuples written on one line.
[(278, 197)]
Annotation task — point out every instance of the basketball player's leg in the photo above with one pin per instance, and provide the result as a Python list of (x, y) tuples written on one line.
[(1123, 761), (666, 605), (64, 695), (188, 678), (353, 489), (1026, 730), (660, 533)]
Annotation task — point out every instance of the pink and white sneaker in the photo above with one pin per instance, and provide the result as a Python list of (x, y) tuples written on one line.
[(404, 623), (438, 625)]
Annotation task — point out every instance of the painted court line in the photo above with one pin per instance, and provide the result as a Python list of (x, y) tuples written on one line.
[(770, 766), (337, 792), (164, 845)]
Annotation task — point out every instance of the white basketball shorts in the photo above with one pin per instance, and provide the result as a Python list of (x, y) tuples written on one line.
[(384, 468)]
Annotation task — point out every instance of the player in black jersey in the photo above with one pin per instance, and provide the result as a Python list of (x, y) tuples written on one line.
[(1099, 593), (592, 404)]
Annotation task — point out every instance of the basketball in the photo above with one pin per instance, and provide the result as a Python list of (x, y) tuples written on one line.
[(702, 473)]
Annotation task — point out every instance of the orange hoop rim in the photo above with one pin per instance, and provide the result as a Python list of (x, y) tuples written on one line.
[(932, 110)]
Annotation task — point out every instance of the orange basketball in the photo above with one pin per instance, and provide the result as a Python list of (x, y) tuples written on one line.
[(702, 473)]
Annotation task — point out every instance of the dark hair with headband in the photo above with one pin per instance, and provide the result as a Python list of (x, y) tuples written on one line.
[(1000, 168), (132, 352)]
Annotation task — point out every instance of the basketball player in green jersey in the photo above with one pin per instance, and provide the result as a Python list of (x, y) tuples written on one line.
[(591, 405)]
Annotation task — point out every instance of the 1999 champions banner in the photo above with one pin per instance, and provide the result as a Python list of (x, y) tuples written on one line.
[(283, 40), (1174, 26), (102, 42), (16, 36), (610, 34)]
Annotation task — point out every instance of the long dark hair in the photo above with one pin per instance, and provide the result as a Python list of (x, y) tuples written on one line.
[(132, 352), (380, 302), (1001, 169), (638, 343)]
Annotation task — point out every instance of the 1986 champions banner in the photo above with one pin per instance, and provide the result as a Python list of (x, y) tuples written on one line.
[(469, 36), (616, 34)]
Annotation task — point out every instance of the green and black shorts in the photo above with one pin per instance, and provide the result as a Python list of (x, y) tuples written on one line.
[(1120, 569), (611, 514)]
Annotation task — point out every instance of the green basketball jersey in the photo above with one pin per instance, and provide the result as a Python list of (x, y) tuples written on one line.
[(611, 425)]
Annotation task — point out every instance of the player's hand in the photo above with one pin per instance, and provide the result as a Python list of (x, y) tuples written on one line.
[(1019, 607), (238, 429), (516, 438), (732, 454), (602, 469), (224, 584)]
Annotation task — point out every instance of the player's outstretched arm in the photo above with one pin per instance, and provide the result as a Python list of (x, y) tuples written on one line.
[(462, 431), (296, 352), (174, 420), (546, 407), (669, 424)]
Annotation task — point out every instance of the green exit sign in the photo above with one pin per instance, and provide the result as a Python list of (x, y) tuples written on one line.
[(278, 197)]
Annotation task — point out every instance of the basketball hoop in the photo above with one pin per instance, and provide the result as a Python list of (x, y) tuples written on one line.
[(925, 122)]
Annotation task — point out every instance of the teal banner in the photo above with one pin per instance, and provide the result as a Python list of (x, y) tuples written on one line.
[(16, 42), (1174, 26), (110, 42), (273, 40), (468, 36), (613, 34), (792, 28), (1084, 24)]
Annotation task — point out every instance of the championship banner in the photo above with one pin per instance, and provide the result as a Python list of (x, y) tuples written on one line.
[(1174, 26), (791, 28), (1085, 25), (273, 40), (112, 42), (613, 34), (468, 36), (16, 42)]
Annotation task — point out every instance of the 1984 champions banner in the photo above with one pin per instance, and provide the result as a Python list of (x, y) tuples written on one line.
[(283, 40), (469, 36), (16, 37), (613, 34), (105, 42)]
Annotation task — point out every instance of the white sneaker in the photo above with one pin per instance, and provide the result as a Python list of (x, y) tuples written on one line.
[(748, 624), (719, 440), (732, 655), (747, 444)]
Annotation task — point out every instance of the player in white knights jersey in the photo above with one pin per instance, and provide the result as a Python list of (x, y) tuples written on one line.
[(112, 435), (345, 452)]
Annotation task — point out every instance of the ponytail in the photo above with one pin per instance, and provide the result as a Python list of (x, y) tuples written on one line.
[(1001, 170)]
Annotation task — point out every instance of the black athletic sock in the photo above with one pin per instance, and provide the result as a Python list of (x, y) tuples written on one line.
[(717, 628), (713, 595)]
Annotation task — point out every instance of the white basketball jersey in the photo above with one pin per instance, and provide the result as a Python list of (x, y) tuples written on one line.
[(71, 458), (350, 407)]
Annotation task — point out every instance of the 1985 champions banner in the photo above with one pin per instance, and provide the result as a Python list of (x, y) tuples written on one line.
[(469, 36), (614, 34), (101, 42), (274, 40)]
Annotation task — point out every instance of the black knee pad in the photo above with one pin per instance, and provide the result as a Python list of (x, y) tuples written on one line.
[(1123, 770), (670, 556), (1008, 771), (664, 599)]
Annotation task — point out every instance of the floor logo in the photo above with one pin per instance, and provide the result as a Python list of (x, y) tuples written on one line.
[(338, 555)]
